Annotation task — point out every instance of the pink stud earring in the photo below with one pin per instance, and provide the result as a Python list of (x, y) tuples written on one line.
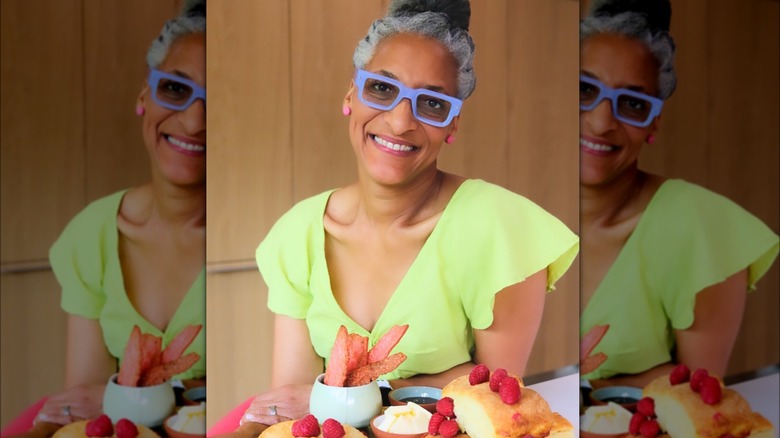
[(450, 139), (139, 110), (650, 139), (346, 110)]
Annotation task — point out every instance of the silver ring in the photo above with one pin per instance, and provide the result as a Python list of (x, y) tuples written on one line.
[(65, 410), (272, 409)]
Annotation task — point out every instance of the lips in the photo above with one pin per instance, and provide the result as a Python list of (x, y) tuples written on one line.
[(596, 147), (392, 146), (186, 147)]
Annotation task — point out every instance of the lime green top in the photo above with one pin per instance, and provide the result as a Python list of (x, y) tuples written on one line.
[(687, 239), (486, 239), (85, 260)]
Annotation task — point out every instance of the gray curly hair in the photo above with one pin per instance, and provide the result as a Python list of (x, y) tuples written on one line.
[(434, 25), (635, 25), (191, 20)]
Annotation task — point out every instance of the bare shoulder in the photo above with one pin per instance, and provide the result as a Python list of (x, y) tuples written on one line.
[(342, 205), (136, 205)]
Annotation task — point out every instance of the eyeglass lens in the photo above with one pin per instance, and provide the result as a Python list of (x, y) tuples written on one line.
[(173, 92), (384, 94)]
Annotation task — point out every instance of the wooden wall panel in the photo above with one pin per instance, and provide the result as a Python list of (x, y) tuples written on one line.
[(239, 338), (324, 36), (720, 130), (249, 159), (249, 187), (33, 347), (543, 152), (481, 147), (116, 38), (70, 73), (42, 124)]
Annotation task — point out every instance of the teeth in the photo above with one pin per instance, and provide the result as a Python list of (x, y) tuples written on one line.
[(393, 146), (187, 146), (595, 146)]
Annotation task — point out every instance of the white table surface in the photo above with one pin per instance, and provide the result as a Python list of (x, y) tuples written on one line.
[(563, 395), (763, 394)]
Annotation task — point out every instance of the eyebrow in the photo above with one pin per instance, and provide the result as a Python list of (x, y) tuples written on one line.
[(636, 88), (181, 74), (435, 88)]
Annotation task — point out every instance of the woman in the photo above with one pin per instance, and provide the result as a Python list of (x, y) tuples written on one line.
[(666, 264), (407, 236), (136, 257)]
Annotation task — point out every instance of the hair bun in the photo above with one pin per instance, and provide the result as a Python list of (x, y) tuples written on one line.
[(657, 12), (458, 11), (194, 8)]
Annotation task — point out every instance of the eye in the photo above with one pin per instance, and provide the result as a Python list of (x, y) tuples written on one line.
[(381, 87), (175, 87), (588, 91), (434, 103), (173, 90), (636, 104)]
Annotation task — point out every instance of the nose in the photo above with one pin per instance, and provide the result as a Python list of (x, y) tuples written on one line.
[(601, 119), (401, 118), (194, 117)]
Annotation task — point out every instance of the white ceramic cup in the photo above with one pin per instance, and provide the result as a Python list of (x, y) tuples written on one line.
[(355, 406), (148, 405)]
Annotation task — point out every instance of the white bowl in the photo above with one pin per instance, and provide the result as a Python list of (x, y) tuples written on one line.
[(355, 406), (149, 405)]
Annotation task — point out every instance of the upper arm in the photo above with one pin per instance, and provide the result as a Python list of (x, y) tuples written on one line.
[(294, 359), (88, 360), (707, 343), (517, 314)]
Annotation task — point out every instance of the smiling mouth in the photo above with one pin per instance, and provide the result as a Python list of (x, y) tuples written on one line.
[(389, 145), (184, 145), (596, 146)]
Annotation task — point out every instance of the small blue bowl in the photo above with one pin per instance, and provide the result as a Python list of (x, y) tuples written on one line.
[(425, 396), (625, 396), (195, 395)]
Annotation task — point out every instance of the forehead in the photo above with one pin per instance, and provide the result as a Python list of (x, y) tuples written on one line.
[(187, 56), (619, 61), (416, 61)]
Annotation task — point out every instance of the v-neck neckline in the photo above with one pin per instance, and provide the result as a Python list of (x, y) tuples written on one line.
[(410, 272), (123, 291), (630, 242)]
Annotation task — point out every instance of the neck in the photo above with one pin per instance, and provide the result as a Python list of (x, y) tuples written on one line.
[(610, 202), (179, 206), (401, 205)]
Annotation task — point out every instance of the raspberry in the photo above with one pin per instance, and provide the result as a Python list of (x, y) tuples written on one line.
[(100, 426), (496, 378), (636, 422), (649, 429), (680, 374), (126, 429), (697, 377), (446, 407), (479, 374), (433, 424), (509, 390), (646, 407), (449, 428), (332, 429), (306, 426), (710, 390)]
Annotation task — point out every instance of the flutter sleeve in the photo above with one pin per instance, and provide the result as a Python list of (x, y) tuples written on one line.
[(286, 255), (503, 238), (79, 256), (720, 239)]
